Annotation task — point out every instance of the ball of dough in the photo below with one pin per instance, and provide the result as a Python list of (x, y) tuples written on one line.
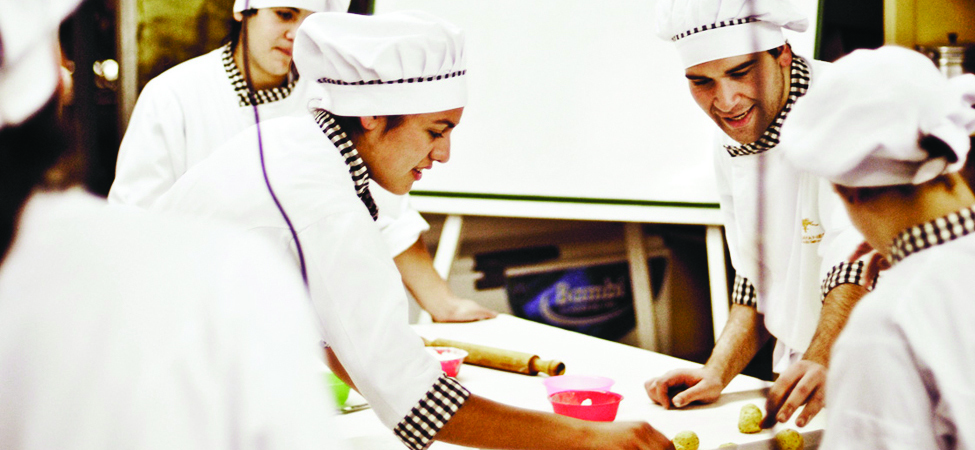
[(686, 440), (750, 419), (789, 439)]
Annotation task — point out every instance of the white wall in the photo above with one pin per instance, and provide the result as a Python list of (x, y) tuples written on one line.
[(575, 98)]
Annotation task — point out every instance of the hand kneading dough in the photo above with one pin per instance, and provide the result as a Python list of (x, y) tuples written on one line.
[(789, 439), (750, 419), (686, 440)]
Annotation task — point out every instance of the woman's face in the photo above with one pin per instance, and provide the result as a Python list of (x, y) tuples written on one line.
[(271, 37), (397, 158)]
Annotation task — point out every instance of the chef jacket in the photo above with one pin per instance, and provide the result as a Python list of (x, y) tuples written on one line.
[(808, 236), (191, 109), (124, 330), (902, 373), (355, 287)]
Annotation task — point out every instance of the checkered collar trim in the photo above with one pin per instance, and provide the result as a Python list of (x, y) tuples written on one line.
[(240, 86), (935, 232), (358, 169), (722, 24), (797, 88), (458, 73)]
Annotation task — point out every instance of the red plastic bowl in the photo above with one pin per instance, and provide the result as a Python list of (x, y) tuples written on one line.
[(450, 359), (577, 383), (603, 405)]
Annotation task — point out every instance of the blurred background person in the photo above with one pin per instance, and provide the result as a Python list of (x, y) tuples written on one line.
[(125, 330)]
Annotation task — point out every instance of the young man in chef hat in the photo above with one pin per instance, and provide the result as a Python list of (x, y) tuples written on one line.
[(184, 114), (744, 76), (125, 330), (394, 88), (890, 132)]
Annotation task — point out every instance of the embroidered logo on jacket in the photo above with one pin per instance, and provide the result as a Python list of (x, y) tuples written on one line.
[(812, 232)]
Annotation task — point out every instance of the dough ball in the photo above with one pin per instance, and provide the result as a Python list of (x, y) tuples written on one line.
[(686, 440), (750, 419), (789, 439)]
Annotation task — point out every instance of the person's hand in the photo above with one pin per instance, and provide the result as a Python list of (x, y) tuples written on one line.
[(462, 310), (682, 386), (627, 435), (803, 383)]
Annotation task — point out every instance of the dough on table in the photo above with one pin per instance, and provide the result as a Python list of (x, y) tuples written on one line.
[(750, 419), (686, 440), (789, 439)]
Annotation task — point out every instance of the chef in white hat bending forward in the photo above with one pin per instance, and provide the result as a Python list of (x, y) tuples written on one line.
[(744, 76), (891, 133), (394, 89)]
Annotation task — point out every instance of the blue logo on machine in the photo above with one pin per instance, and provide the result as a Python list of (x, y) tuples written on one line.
[(594, 300)]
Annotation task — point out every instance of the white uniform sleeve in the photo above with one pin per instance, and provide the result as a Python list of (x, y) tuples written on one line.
[(401, 225), (153, 151), (743, 291), (840, 240), (360, 299)]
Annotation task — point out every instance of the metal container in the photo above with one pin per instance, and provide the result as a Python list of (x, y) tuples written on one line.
[(952, 59)]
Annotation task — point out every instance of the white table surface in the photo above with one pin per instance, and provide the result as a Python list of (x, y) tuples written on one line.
[(715, 424)]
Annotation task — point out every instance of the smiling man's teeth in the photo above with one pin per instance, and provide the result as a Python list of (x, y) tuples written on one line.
[(740, 116)]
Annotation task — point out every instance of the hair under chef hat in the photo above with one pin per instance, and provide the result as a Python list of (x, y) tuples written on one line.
[(861, 126), (406, 62), (29, 62), (706, 30), (310, 5)]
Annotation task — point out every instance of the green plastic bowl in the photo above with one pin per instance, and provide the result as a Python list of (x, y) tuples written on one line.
[(340, 390)]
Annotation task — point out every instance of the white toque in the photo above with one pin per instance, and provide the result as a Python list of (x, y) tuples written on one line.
[(310, 5), (862, 124), (406, 62), (707, 30), (29, 61)]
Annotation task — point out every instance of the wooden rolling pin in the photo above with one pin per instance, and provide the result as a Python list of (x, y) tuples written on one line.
[(497, 358)]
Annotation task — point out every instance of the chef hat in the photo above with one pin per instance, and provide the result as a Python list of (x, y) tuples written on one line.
[(29, 62), (406, 62), (310, 5), (861, 125), (706, 30)]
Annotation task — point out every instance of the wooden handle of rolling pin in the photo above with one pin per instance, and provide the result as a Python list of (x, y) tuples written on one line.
[(497, 358)]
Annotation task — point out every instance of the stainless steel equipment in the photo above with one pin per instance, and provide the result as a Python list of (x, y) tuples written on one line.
[(953, 59)]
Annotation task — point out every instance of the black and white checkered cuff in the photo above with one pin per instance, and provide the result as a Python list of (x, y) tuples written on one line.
[(743, 292), (418, 428), (843, 273)]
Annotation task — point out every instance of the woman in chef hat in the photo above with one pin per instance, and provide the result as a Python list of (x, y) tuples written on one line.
[(194, 107), (190, 110), (121, 329), (394, 88), (890, 132)]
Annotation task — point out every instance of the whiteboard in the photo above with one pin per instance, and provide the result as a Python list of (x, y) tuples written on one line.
[(575, 100)]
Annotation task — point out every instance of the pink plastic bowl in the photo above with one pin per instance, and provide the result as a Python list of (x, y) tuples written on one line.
[(450, 359), (577, 383), (602, 409)]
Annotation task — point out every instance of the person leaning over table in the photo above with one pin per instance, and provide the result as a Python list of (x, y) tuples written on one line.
[(743, 74), (188, 111), (394, 88), (122, 329), (890, 132)]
